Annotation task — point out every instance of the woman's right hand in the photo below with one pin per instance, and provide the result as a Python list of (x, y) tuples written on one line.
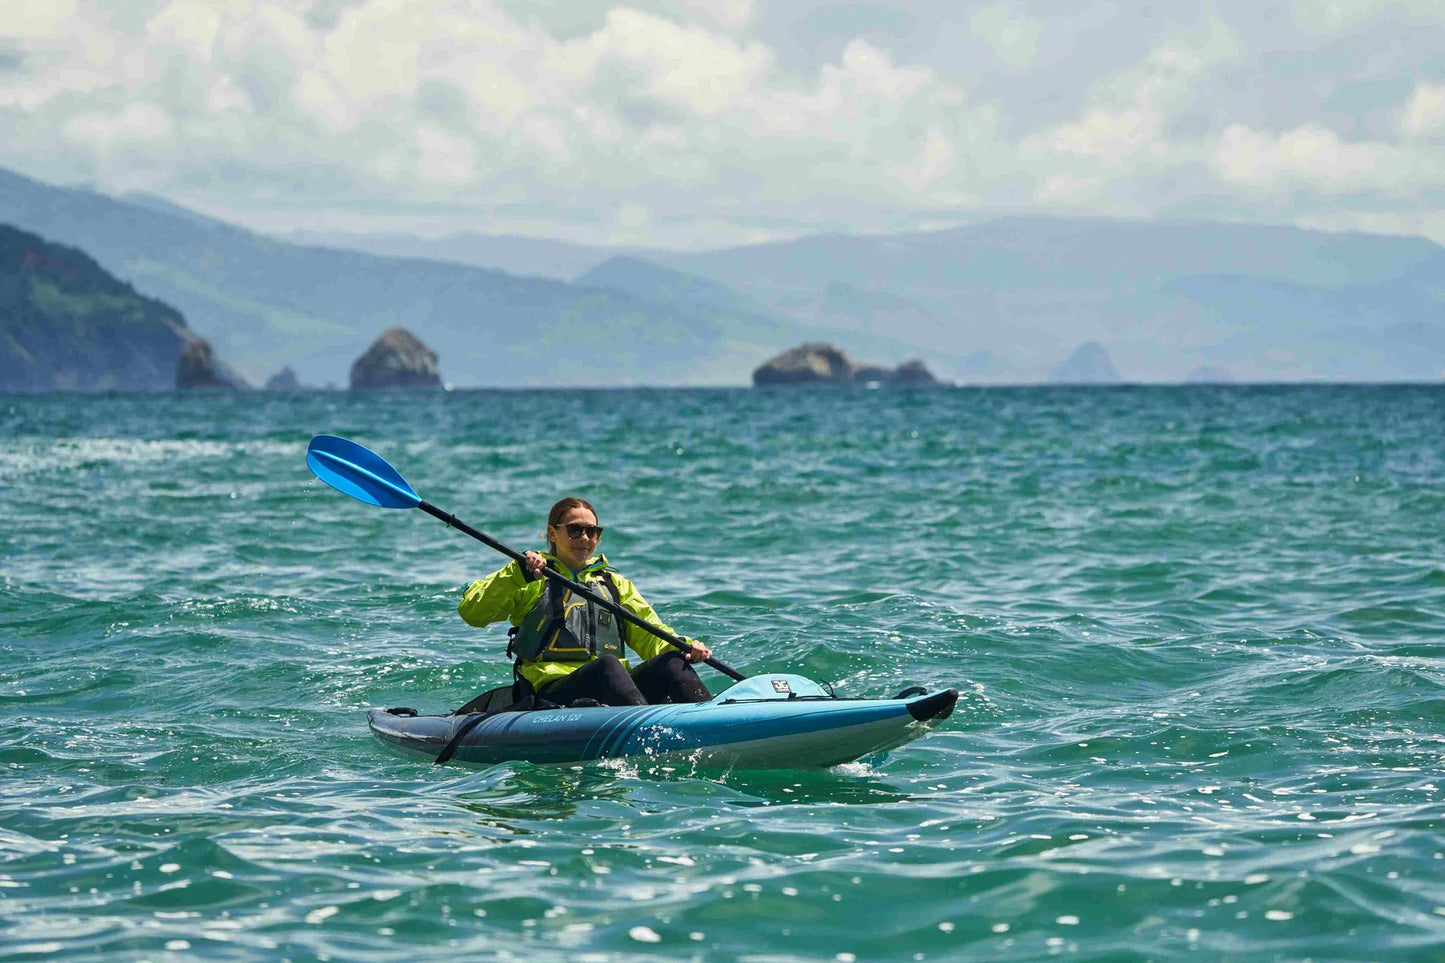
[(533, 563)]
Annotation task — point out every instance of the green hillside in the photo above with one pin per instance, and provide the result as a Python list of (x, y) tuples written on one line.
[(66, 324)]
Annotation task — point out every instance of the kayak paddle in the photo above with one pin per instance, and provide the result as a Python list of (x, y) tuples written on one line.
[(364, 475)]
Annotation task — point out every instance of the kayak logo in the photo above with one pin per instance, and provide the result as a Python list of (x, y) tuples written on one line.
[(781, 685)]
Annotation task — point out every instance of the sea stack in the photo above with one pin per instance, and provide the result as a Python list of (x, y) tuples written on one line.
[(912, 373), (397, 359), (283, 380), (818, 362), (1088, 365), (200, 368)]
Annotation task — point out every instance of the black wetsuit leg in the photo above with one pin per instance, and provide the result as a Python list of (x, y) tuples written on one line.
[(669, 678), (604, 679)]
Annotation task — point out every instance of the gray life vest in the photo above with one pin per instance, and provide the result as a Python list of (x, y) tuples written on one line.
[(563, 627)]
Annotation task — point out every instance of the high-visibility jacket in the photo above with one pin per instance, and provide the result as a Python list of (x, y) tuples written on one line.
[(547, 649)]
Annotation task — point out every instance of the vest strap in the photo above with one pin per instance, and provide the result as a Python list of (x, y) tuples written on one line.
[(606, 576)]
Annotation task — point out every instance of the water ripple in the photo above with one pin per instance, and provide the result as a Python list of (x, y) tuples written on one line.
[(1197, 632)]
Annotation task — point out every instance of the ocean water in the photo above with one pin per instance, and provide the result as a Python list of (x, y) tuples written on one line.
[(1199, 632)]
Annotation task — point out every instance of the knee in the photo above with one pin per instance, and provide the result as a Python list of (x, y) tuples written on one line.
[(611, 666), (674, 663)]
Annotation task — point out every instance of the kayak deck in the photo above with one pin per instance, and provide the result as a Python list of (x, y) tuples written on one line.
[(767, 722)]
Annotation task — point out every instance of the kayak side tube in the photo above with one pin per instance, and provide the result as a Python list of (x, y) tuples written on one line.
[(766, 722)]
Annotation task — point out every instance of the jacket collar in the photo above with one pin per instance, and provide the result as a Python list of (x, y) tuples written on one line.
[(596, 563)]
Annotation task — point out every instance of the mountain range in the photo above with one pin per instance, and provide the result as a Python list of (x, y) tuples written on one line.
[(1003, 301), (265, 303)]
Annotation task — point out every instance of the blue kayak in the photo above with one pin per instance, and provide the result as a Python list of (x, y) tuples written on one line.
[(774, 721)]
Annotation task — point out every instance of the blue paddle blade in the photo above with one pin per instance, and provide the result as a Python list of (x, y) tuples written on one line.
[(359, 472)]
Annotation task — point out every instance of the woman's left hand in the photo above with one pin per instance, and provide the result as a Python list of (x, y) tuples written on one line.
[(699, 653)]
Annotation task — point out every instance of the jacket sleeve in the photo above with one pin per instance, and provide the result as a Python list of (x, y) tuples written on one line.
[(505, 594), (639, 640)]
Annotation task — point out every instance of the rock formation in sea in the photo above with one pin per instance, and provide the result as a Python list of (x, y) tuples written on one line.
[(66, 324), (913, 373), (397, 359), (866, 373), (1088, 365), (283, 380), (813, 363), (199, 367), (818, 362)]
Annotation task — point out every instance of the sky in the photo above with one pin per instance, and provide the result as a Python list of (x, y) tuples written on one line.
[(692, 124)]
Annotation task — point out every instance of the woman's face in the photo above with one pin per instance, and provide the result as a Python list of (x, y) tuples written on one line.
[(574, 552)]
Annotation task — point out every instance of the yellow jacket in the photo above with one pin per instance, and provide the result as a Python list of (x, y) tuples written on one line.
[(508, 594)]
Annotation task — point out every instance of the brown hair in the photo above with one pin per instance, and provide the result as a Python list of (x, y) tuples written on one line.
[(559, 510)]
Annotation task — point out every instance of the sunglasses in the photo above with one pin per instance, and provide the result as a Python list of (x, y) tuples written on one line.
[(577, 530)]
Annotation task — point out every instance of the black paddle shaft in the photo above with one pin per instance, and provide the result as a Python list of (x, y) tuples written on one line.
[(576, 587)]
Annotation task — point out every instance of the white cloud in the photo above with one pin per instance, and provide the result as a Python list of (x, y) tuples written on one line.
[(191, 26), (696, 115), (1312, 156), (37, 19), (859, 92), (684, 66), (868, 71), (317, 96), (1424, 115), (136, 123), (1010, 33), (443, 157), (1332, 16), (1107, 135), (1126, 122), (932, 163), (1341, 16), (374, 52), (1061, 188), (733, 16)]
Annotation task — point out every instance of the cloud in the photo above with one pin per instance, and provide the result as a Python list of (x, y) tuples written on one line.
[(1010, 32), (1125, 124), (1340, 16), (684, 122), (38, 19), (1424, 115), (1315, 157), (730, 15), (685, 67)]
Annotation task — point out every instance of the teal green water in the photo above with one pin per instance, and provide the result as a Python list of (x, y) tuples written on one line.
[(1199, 632)]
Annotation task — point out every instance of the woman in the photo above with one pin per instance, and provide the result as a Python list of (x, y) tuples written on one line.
[(569, 648)]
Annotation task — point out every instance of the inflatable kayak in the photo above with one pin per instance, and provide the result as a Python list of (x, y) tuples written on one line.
[(765, 722)]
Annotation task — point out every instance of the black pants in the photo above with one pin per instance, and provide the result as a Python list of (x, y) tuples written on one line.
[(663, 678)]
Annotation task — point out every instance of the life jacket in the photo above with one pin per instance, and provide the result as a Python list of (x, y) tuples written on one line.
[(563, 627)]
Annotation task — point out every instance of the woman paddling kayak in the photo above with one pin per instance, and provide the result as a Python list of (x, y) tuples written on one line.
[(569, 648), (768, 721)]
